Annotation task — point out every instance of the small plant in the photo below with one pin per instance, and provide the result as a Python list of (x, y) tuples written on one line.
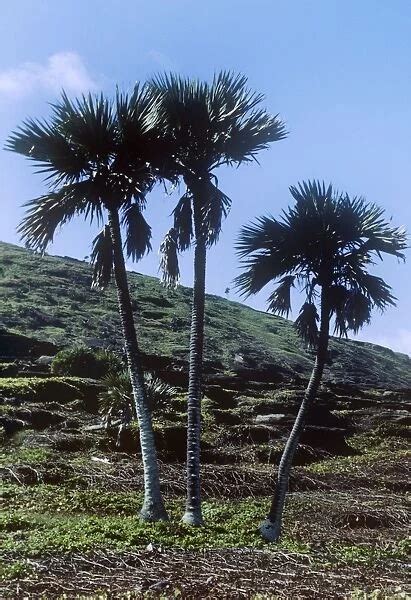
[(15, 570), (85, 362), (116, 401)]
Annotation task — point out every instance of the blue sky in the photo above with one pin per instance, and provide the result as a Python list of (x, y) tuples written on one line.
[(337, 71)]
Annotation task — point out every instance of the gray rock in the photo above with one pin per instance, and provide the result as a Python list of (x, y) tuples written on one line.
[(44, 361), (272, 419)]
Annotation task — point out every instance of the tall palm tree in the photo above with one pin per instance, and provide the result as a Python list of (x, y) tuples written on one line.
[(324, 245), (95, 154), (207, 126)]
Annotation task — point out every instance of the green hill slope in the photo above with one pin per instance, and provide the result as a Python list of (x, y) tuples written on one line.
[(50, 299)]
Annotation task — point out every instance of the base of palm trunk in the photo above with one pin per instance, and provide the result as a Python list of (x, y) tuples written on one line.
[(270, 531), (153, 511), (193, 517)]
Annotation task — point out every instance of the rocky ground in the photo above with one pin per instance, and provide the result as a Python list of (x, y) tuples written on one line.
[(72, 492)]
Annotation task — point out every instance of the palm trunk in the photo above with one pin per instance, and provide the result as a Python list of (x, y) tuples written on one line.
[(153, 506), (270, 529), (192, 515)]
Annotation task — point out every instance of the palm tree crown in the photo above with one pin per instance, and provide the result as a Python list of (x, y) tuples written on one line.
[(95, 154), (326, 240), (207, 126)]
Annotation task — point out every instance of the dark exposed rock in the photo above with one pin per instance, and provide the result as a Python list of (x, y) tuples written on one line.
[(222, 397), (17, 345), (71, 423), (12, 401), (226, 417), (172, 442), (261, 372), (9, 370), (11, 425), (39, 418), (322, 416), (329, 439), (68, 442), (22, 474)]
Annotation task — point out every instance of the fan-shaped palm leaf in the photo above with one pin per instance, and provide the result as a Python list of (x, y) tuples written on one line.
[(183, 222), (102, 259), (307, 324), (169, 258), (280, 300), (138, 232), (49, 212)]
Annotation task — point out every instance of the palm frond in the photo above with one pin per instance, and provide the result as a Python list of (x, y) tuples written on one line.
[(50, 150), (307, 324), (261, 269), (117, 391), (265, 233), (312, 195), (215, 208), (183, 222), (337, 299), (159, 393), (369, 231), (47, 213), (137, 113), (116, 399), (90, 139), (102, 259), (214, 123), (267, 249), (79, 136), (375, 289), (279, 301), (249, 129), (249, 137), (169, 259), (89, 123), (137, 232), (357, 310)]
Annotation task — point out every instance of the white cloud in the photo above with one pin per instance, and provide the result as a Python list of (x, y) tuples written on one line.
[(63, 70)]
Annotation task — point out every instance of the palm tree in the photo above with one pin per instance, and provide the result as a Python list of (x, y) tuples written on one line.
[(323, 245), (95, 154), (207, 126)]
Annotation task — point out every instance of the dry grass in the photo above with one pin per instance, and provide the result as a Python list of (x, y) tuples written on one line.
[(200, 574)]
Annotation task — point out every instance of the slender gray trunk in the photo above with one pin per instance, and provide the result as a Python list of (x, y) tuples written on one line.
[(270, 529), (192, 515), (153, 507)]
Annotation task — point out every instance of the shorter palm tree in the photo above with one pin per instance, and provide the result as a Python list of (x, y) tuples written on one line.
[(324, 246)]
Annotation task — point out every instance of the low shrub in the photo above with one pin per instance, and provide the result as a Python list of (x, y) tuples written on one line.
[(85, 362), (117, 397)]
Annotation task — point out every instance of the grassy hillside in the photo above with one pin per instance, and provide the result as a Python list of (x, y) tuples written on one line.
[(50, 298), (72, 487)]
